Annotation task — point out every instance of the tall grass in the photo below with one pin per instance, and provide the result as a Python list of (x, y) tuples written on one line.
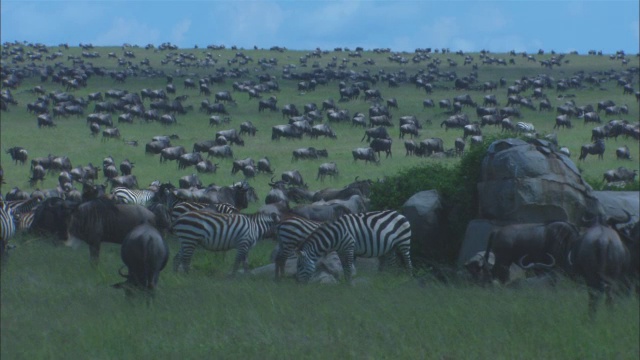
[(55, 306)]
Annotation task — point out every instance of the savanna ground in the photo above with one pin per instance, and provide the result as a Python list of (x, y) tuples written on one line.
[(54, 305)]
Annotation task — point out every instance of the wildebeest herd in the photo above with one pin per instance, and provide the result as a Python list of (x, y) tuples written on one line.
[(209, 216)]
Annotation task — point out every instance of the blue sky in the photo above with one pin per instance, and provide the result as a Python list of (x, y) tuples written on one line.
[(498, 26)]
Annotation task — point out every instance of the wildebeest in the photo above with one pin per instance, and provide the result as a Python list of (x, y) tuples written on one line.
[(379, 145), (128, 181), (18, 153), (620, 174), (222, 151), (264, 165), (455, 121), (430, 146), (231, 135), (100, 220), (408, 129), (327, 169), (601, 258), (595, 148), (367, 154), (459, 146), (309, 153), (172, 153), (206, 166), (623, 153), (37, 174), (248, 128), (293, 177), (471, 130), (156, 147), (537, 243), (110, 133), (379, 132), (322, 213), (562, 121), (287, 131), (591, 117), (145, 253), (189, 181), (322, 130)]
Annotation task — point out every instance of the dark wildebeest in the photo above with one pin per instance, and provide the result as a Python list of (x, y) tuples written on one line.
[(620, 174), (206, 166), (293, 177), (366, 154), (379, 132), (601, 258), (330, 169), (223, 151), (623, 153), (379, 145), (562, 121), (264, 165), (430, 146), (596, 148), (459, 146), (100, 220), (145, 253), (539, 244), (18, 154)]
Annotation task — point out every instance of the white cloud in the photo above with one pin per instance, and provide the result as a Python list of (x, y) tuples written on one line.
[(179, 31), (127, 30)]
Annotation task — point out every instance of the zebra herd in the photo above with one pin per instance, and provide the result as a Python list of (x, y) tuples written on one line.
[(221, 227)]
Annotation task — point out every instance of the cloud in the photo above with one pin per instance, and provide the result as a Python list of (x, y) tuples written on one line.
[(127, 30), (179, 31)]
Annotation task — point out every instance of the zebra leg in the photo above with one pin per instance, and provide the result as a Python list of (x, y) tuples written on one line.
[(183, 259), (346, 259)]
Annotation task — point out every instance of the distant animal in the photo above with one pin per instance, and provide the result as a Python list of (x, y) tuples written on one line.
[(327, 169), (18, 153), (596, 148), (367, 154)]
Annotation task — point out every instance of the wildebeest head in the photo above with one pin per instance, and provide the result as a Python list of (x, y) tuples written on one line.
[(53, 216)]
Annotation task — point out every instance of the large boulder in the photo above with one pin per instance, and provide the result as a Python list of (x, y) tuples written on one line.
[(425, 214), (531, 183)]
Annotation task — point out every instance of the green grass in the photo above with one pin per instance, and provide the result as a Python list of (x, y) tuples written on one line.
[(54, 305)]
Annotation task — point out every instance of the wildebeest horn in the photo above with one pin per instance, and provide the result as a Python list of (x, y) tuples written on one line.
[(537, 265), (614, 221), (569, 258)]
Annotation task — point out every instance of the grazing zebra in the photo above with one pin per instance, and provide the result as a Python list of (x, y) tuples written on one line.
[(182, 207), (290, 233), (22, 206), (524, 127), (220, 232), (123, 195), (369, 234), (24, 221), (7, 226)]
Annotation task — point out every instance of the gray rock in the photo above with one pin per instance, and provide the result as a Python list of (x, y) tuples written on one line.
[(530, 183), (424, 212), (615, 203)]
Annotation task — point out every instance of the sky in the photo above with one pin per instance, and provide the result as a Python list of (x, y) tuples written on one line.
[(467, 25)]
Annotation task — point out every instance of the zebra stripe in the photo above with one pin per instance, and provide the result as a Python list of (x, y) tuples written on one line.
[(220, 232), (370, 234), (122, 195), (22, 206), (525, 127), (183, 207), (25, 220), (7, 226), (290, 233)]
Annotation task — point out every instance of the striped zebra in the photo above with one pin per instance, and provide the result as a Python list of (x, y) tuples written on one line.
[(369, 234), (220, 232), (524, 127), (290, 233), (22, 206), (24, 221), (182, 207), (7, 226), (123, 195)]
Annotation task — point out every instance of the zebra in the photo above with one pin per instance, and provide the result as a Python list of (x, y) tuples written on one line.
[(123, 195), (220, 232), (524, 127), (22, 206), (290, 233), (369, 234), (24, 221), (182, 207), (7, 226)]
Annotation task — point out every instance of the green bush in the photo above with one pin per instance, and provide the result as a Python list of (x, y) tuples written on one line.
[(456, 184)]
